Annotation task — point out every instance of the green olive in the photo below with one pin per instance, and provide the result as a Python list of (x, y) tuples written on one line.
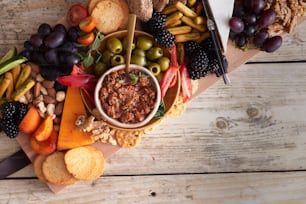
[(100, 68), (124, 44), (139, 60), (154, 68), (114, 45), (159, 76), (144, 42), (139, 52), (106, 56), (117, 59), (164, 63), (154, 53)]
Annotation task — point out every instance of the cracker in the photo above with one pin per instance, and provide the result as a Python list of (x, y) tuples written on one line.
[(97, 171), (37, 167), (127, 139), (125, 12), (55, 171), (108, 15), (80, 162), (91, 5)]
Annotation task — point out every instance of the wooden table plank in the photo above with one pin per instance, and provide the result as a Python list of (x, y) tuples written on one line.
[(218, 132), (204, 188)]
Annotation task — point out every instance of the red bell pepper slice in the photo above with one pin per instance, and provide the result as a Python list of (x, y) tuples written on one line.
[(170, 73), (186, 85)]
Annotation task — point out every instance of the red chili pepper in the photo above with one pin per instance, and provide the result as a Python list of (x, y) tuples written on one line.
[(186, 86), (174, 80), (77, 70), (170, 73), (78, 81)]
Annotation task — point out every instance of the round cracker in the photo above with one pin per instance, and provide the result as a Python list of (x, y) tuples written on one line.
[(37, 167), (97, 171), (108, 15), (80, 162), (127, 139), (125, 11), (55, 171)]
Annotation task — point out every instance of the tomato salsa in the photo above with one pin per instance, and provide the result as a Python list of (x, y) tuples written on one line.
[(127, 98)]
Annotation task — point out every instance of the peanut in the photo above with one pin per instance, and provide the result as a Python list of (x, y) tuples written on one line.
[(51, 92)]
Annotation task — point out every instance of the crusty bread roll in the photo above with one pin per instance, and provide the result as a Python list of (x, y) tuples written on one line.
[(142, 8)]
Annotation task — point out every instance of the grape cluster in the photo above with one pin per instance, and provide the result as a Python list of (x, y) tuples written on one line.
[(249, 25), (53, 49)]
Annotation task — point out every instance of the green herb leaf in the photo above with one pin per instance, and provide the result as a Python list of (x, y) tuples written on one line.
[(88, 60), (161, 110), (97, 42), (134, 78)]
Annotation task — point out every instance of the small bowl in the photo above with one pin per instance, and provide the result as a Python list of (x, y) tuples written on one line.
[(116, 122)]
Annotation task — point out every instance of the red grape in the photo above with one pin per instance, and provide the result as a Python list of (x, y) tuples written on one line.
[(272, 44), (260, 37), (257, 5), (236, 24), (266, 18)]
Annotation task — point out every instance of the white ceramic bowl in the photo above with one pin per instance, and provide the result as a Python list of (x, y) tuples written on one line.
[(117, 122)]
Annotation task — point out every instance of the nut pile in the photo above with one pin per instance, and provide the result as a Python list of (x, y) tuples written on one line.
[(287, 12)]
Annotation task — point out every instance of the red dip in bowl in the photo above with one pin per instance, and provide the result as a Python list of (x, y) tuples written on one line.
[(128, 98)]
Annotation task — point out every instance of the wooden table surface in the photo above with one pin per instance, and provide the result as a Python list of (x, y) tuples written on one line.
[(244, 143)]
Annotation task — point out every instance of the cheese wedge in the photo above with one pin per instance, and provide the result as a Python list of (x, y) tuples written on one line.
[(69, 135)]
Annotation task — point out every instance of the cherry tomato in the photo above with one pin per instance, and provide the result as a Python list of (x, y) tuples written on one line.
[(75, 14), (86, 39), (88, 24)]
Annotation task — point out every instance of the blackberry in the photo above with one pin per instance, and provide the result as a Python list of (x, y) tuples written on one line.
[(219, 72), (194, 75), (21, 110), (199, 61), (164, 37), (10, 127), (7, 110), (191, 46), (214, 65), (208, 46), (157, 21)]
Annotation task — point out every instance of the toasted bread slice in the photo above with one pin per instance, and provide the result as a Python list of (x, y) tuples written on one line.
[(55, 171), (80, 162), (109, 15), (37, 167)]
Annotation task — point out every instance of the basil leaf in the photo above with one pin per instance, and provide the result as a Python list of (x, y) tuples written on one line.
[(88, 60), (97, 42), (134, 78), (161, 110)]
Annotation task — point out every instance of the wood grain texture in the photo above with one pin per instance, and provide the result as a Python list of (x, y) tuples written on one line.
[(257, 124), (280, 188)]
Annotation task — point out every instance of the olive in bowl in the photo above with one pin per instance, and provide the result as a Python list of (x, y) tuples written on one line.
[(127, 100)]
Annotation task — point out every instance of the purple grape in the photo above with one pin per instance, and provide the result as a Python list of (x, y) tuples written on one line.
[(236, 24), (249, 19), (60, 28), (28, 45), (260, 37), (55, 39), (44, 29), (36, 40), (72, 34), (266, 18), (272, 44), (52, 57), (249, 30), (257, 6), (240, 40)]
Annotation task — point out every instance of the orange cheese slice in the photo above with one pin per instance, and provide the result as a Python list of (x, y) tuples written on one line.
[(69, 136)]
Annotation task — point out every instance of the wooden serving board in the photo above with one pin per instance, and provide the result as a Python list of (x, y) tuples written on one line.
[(235, 58)]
